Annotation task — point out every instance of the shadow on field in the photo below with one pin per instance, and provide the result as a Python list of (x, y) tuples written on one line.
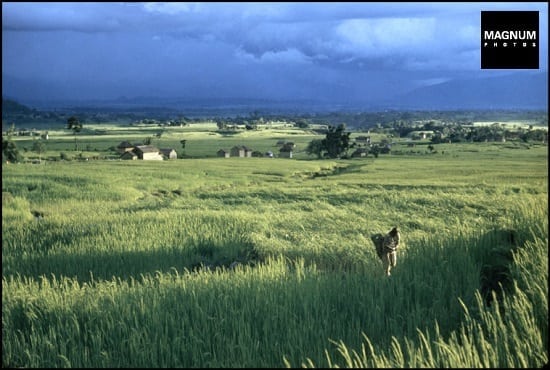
[(497, 260), (127, 264), (284, 308)]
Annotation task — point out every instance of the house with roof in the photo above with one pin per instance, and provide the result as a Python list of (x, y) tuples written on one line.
[(241, 151), (148, 153), (223, 153), (286, 150)]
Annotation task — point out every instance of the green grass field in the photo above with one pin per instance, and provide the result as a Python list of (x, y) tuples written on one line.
[(203, 139), (129, 263)]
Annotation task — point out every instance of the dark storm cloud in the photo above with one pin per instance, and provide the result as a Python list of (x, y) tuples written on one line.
[(412, 35), (240, 49), (82, 17), (326, 33)]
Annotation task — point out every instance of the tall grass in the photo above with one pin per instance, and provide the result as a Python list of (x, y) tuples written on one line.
[(130, 264), (256, 316), (511, 332)]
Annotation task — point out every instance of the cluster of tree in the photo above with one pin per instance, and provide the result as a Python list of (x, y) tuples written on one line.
[(181, 121), (337, 141), (335, 144), (495, 132), (10, 152), (461, 131), (392, 119)]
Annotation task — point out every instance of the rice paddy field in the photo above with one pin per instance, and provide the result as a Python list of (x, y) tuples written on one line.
[(268, 262)]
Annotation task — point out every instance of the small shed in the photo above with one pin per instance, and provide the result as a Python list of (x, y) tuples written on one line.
[(241, 151), (223, 153), (286, 150), (169, 153)]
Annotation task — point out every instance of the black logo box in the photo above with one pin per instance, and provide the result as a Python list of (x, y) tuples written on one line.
[(507, 49)]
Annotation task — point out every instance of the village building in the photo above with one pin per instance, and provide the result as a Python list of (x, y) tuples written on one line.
[(286, 150), (241, 151), (223, 153), (148, 153), (169, 153)]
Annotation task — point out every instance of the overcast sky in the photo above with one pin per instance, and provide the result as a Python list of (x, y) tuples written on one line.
[(256, 50)]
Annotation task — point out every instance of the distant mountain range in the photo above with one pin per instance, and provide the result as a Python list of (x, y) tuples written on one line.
[(12, 107), (514, 91), (504, 92)]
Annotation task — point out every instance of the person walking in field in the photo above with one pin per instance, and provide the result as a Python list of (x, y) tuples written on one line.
[(386, 248)]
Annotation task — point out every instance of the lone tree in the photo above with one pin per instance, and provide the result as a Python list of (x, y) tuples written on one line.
[(39, 147), (74, 124), (336, 142), (301, 123), (183, 142)]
